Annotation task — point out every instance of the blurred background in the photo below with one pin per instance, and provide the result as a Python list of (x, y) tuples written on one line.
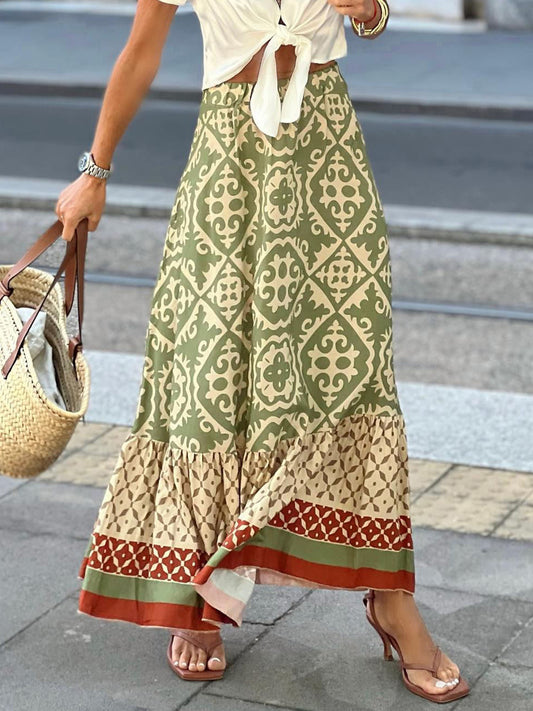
[(445, 99)]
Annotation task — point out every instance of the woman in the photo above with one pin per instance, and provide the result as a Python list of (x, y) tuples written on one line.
[(268, 444)]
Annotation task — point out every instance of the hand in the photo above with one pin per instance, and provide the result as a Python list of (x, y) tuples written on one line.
[(84, 197), (362, 10)]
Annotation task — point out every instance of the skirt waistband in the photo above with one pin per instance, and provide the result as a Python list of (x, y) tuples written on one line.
[(319, 81)]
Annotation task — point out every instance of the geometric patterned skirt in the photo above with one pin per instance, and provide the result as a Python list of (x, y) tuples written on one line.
[(268, 445)]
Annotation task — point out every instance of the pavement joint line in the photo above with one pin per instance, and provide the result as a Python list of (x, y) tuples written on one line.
[(36, 619), (508, 514), (442, 476), (256, 640), (66, 454), (519, 631), (22, 483), (267, 628), (48, 482), (293, 606)]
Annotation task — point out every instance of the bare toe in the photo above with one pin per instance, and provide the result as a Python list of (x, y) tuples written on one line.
[(202, 660), (184, 659), (192, 662), (217, 659)]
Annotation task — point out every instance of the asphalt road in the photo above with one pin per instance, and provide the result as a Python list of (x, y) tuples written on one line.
[(423, 161)]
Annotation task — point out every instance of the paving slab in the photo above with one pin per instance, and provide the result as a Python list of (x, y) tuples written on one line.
[(472, 499), (325, 655), (50, 509), (472, 563), (83, 664), (37, 573), (520, 650)]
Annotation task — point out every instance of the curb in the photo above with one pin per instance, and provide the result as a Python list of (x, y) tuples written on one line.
[(486, 428), (375, 104), (464, 226), (404, 221)]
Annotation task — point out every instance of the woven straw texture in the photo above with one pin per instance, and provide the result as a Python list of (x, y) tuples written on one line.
[(33, 429)]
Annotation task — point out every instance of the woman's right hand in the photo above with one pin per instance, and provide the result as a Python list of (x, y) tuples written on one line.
[(84, 197)]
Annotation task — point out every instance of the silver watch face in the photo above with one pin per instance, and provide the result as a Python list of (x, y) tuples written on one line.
[(83, 161)]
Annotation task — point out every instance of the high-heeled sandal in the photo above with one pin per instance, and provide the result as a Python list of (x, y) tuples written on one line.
[(457, 692), (188, 636)]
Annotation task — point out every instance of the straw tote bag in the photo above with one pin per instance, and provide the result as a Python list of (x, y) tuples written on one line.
[(34, 430)]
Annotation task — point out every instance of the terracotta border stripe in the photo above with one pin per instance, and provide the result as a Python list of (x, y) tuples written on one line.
[(146, 614), (327, 575)]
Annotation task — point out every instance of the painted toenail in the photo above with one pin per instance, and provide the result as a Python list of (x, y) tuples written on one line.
[(175, 664), (183, 665), (440, 684), (215, 659)]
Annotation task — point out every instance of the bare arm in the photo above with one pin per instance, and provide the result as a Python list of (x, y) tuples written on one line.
[(130, 79)]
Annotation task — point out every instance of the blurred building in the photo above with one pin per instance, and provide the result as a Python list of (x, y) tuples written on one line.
[(505, 14)]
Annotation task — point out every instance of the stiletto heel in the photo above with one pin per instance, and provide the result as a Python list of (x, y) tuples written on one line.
[(460, 690), (387, 651)]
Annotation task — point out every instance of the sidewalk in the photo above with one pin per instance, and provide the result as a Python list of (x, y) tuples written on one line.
[(297, 649), (483, 74)]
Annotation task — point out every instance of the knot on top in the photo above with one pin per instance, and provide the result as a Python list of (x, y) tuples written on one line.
[(284, 36), (265, 104)]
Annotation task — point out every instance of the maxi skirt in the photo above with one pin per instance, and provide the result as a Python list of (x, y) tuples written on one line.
[(268, 445)]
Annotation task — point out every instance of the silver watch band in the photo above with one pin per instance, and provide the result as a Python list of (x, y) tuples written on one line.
[(97, 171), (87, 164)]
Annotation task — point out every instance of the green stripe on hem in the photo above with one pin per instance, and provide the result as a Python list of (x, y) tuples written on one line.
[(326, 553), (146, 590)]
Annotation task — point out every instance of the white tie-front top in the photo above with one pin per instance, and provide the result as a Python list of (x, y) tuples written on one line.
[(234, 30)]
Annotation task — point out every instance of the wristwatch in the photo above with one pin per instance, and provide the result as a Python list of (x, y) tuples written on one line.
[(360, 29), (86, 164)]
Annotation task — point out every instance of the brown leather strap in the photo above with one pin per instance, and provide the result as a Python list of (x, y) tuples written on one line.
[(36, 249), (76, 277), (198, 641), (433, 668), (73, 263)]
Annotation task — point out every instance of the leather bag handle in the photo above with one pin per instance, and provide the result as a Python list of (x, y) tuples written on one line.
[(75, 276), (73, 264)]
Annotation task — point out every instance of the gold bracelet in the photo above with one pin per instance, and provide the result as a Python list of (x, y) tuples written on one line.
[(359, 27)]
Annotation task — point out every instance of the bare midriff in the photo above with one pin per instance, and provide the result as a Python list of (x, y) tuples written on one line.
[(285, 59)]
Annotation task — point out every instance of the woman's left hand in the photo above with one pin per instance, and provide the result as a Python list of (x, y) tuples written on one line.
[(362, 10)]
